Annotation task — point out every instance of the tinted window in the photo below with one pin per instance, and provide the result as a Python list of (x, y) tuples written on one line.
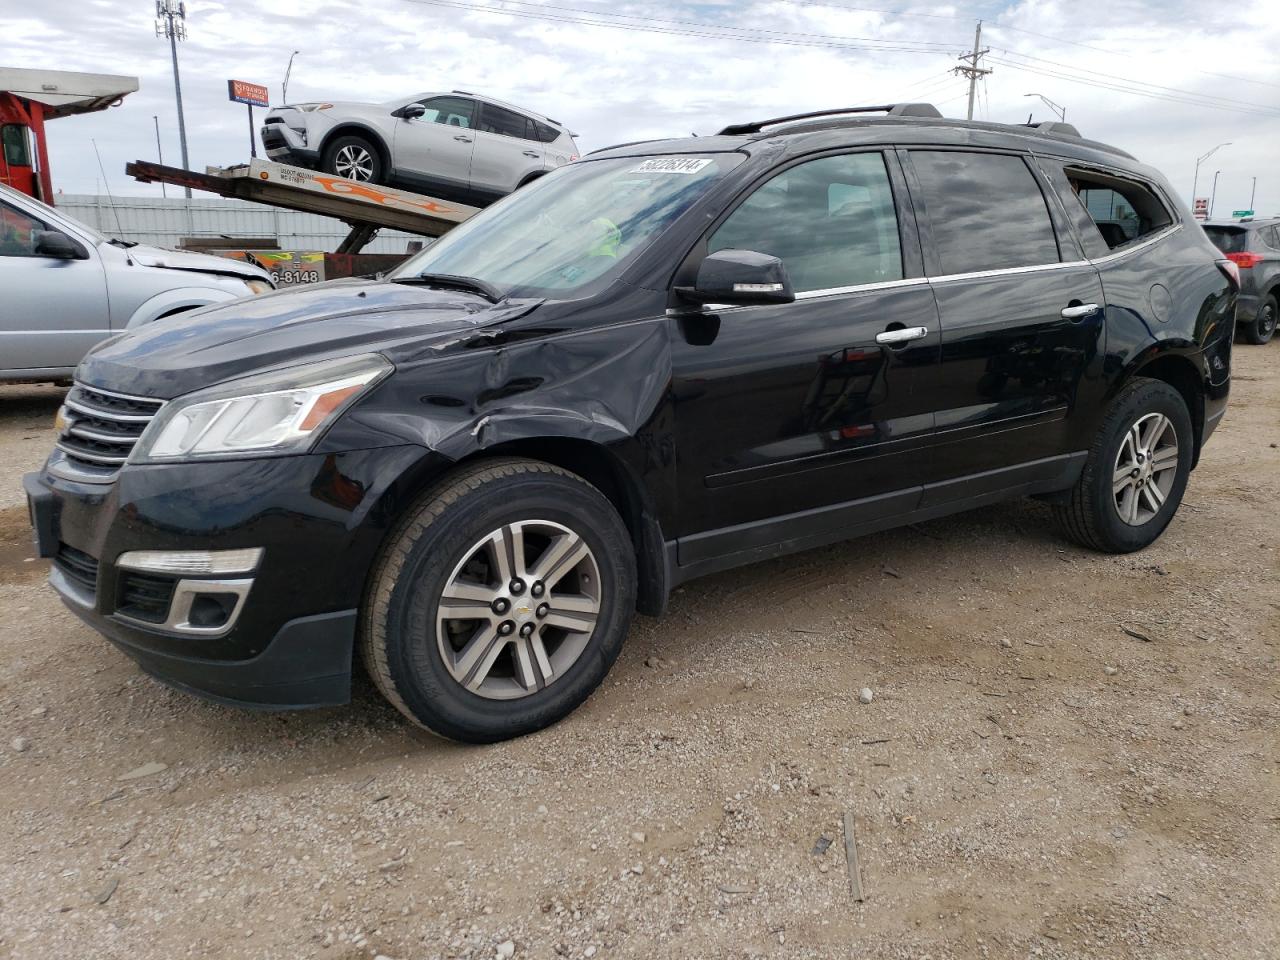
[(17, 232), (547, 134), (831, 221), (986, 211), (508, 123), (451, 111), (1271, 237), (1228, 239)]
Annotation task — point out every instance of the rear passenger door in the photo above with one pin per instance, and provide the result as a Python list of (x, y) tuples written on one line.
[(1021, 317), (507, 150)]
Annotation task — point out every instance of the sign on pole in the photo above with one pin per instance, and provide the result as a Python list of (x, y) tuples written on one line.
[(1241, 213), (1200, 209), (253, 95)]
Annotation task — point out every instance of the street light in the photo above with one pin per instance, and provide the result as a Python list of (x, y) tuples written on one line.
[(1196, 179), (284, 87), (1060, 111), (1214, 194)]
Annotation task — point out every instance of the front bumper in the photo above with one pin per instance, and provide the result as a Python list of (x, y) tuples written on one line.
[(284, 144), (319, 520)]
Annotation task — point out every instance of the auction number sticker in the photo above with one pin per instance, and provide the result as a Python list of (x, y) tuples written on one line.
[(685, 165)]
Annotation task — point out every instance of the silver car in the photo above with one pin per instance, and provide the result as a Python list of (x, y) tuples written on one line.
[(66, 287), (457, 145)]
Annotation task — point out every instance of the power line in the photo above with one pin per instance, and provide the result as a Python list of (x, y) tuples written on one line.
[(649, 24)]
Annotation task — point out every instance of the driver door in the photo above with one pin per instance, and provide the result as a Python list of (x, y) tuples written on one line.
[(51, 311), (797, 419), (434, 151)]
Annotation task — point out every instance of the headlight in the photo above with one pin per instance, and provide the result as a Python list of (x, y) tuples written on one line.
[(280, 412), (259, 286)]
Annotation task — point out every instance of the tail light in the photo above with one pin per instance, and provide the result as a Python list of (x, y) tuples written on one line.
[(1245, 260), (1231, 270)]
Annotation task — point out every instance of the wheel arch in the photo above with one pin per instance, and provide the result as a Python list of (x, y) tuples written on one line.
[(606, 472), (530, 178), (1181, 373), (351, 128)]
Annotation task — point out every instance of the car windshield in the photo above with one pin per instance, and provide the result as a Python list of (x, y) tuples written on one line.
[(583, 223), (1227, 239), (52, 218)]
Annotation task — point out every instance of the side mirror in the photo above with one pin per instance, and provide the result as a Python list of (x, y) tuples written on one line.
[(51, 243), (411, 111), (741, 278)]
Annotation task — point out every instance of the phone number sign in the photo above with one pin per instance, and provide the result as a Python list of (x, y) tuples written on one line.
[(254, 94)]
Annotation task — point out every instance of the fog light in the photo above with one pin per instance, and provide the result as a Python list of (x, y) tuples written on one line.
[(192, 562)]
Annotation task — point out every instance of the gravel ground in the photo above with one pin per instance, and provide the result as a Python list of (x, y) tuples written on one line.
[(1028, 780)]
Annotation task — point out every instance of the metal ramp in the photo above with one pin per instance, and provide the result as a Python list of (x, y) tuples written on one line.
[(365, 207)]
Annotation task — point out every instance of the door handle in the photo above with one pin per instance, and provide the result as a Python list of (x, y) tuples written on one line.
[(531, 153), (894, 338), (462, 138), (1079, 311)]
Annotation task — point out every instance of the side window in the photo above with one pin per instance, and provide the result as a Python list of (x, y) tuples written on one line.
[(1121, 210), (546, 133), (831, 221), (1271, 236), (986, 211), (17, 152), (450, 111), (508, 123), (17, 232)]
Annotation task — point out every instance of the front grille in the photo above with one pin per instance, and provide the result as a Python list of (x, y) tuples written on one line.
[(100, 429), (272, 140), (145, 597), (78, 567)]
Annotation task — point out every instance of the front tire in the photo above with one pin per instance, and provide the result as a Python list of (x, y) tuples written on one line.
[(354, 158), (1136, 471), (500, 602), (1263, 326)]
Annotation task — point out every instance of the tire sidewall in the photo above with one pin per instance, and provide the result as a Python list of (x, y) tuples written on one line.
[(421, 678), (1150, 397), (1262, 331), (331, 153)]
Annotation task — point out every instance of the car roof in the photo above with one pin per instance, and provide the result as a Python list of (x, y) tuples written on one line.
[(1241, 224), (838, 129)]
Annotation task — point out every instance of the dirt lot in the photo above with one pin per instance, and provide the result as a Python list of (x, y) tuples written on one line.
[(1029, 781)]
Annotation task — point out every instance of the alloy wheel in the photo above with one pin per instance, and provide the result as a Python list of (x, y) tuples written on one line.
[(354, 162), (1145, 469), (519, 609)]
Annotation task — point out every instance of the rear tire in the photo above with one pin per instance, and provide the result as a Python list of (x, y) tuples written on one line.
[(354, 158), (502, 540), (1263, 326), (1136, 471)]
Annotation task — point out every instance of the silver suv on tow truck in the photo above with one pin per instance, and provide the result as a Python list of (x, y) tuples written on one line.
[(458, 145)]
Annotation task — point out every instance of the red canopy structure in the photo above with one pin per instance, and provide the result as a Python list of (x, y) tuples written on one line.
[(30, 97)]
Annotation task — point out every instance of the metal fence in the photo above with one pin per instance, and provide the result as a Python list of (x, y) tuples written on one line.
[(163, 222)]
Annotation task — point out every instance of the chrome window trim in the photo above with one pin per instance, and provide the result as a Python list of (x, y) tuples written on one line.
[(1154, 238), (1007, 271), (859, 287)]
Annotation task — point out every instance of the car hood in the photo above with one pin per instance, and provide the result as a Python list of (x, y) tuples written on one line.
[(200, 262), (179, 354)]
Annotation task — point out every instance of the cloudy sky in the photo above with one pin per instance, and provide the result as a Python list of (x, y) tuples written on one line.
[(1165, 79)]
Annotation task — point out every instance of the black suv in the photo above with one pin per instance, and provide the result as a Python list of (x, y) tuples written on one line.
[(1254, 247), (667, 359)]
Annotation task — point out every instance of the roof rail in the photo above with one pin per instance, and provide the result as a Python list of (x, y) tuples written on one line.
[(892, 109), (1055, 126)]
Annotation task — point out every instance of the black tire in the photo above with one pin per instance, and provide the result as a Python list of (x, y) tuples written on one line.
[(1091, 516), (1263, 326), (351, 156), (399, 643)]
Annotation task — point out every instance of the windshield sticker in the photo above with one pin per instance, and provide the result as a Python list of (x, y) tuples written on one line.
[(684, 165)]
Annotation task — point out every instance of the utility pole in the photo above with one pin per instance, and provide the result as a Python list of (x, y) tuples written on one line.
[(160, 155), (973, 71), (1253, 192), (171, 23), (1213, 194)]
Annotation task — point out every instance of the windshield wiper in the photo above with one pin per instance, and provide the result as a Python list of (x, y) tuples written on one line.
[(122, 244), (454, 281)]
